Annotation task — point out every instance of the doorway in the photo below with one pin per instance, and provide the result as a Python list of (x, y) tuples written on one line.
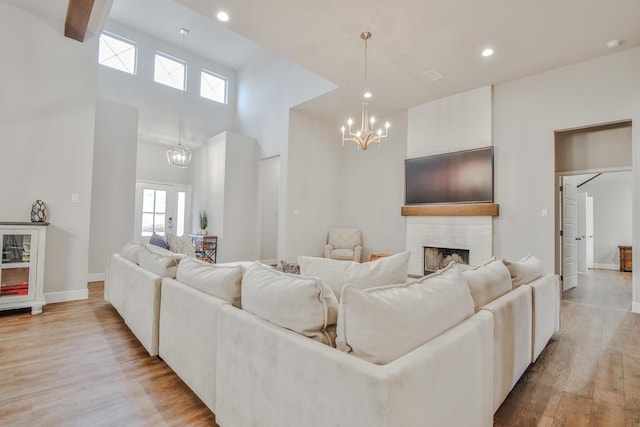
[(594, 186), (161, 209)]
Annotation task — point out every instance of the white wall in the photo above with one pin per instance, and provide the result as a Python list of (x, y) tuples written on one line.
[(152, 165), (372, 188), (232, 204), (525, 115), (612, 220), (159, 105), (113, 183), (267, 88), (48, 92), (314, 185)]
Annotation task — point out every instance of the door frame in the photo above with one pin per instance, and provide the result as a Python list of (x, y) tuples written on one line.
[(558, 207), (172, 192)]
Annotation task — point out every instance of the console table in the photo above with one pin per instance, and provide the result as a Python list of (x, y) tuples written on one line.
[(206, 247)]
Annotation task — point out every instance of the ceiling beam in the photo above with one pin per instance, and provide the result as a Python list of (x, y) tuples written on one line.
[(78, 14)]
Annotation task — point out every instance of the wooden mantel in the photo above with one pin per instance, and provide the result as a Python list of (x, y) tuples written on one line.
[(467, 209)]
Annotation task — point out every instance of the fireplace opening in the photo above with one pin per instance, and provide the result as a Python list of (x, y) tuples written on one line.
[(437, 258)]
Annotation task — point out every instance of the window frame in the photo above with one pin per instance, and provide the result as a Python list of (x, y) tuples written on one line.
[(123, 40), (204, 71), (159, 53)]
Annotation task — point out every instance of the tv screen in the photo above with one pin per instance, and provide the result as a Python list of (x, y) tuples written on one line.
[(460, 177)]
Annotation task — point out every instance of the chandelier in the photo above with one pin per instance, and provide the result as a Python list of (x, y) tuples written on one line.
[(179, 156), (366, 135)]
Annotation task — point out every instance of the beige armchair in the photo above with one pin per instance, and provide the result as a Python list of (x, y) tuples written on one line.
[(344, 244)]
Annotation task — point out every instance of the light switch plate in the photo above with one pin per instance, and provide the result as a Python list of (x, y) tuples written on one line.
[(545, 213), (75, 198)]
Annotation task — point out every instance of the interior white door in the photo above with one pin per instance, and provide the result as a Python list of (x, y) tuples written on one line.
[(581, 239), (569, 234), (269, 187), (589, 227)]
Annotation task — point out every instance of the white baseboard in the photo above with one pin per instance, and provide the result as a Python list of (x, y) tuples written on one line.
[(53, 297), (606, 266), (635, 307), (95, 277)]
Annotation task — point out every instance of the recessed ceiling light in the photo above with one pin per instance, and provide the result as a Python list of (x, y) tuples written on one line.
[(367, 95), (612, 44), (222, 16), (487, 52)]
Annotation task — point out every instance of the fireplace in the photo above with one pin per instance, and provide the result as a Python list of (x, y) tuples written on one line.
[(437, 258)]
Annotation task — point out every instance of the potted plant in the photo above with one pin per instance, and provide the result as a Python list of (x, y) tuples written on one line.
[(204, 221)]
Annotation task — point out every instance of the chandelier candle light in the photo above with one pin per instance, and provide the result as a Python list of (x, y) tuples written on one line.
[(179, 156), (366, 135)]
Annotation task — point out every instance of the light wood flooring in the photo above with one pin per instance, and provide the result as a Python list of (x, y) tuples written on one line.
[(77, 364), (589, 373)]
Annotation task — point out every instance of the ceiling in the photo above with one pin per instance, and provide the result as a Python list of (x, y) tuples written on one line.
[(409, 38)]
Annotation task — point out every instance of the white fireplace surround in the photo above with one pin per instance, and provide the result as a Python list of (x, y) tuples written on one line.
[(466, 232)]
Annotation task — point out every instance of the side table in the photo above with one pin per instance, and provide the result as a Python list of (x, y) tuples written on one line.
[(206, 247)]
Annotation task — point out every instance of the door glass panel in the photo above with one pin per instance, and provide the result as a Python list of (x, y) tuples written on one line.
[(159, 224), (161, 201), (181, 208), (16, 248), (147, 200), (15, 281), (147, 224)]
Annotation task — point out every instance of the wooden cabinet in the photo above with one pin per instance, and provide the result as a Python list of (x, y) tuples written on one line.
[(625, 258), (206, 247), (22, 265)]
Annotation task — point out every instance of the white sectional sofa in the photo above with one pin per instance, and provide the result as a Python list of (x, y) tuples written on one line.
[(235, 334)]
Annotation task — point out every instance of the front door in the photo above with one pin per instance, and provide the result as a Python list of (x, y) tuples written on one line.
[(161, 209)]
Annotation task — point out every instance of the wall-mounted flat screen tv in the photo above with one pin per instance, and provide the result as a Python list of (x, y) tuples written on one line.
[(459, 177)]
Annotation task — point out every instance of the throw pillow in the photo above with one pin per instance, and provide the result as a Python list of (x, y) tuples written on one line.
[(130, 251), (220, 281), (302, 304), (181, 245), (487, 282), (524, 271), (384, 323), (158, 240), (164, 264), (384, 271), (288, 267)]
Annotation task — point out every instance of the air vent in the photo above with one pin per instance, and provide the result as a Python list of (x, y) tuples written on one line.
[(431, 75)]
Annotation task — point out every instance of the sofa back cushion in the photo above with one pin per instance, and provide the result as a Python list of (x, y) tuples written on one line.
[(220, 281), (130, 251), (382, 324), (384, 271), (181, 245), (525, 270), (301, 304), (159, 261), (488, 282)]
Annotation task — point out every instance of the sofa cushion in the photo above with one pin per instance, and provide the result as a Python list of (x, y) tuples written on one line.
[(525, 270), (301, 304), (384, 323), (130, 251), (158, 240), (488, 282), (220, 281), (164, 264), (384, 271), (181, 245)]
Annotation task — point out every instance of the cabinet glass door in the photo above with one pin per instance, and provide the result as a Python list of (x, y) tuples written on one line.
[(16, 273)]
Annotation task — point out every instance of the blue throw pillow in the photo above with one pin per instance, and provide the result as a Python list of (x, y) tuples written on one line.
[(158, 241)]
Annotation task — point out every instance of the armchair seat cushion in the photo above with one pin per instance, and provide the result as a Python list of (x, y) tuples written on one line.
[(342, 254)]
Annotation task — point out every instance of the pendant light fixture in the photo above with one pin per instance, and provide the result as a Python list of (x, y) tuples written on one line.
[(365, 136), (179, 156)]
